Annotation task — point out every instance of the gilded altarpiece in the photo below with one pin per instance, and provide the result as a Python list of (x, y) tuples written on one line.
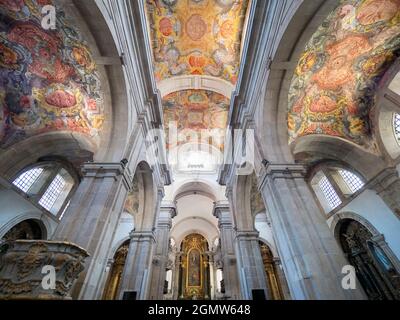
[(194, 269), (114, 280), (271, 272)]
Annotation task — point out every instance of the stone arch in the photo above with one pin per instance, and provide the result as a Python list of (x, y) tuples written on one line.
[(111, 115), (118, 245), (273, 130), (147, 194), (340, 217), (388, 103), (316, 106), (190, 229), (270, 246), (242, 205), (195, 187), (120, 118), (74, 148), (40, 223)]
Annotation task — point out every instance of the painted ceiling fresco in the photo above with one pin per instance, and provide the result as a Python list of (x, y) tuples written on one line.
[(333, 89), (197, 114), (48, 79), (197, 37)]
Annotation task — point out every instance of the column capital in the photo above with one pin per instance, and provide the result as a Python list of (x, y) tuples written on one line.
[(222, 212), (141, 236), (101, 170), (221, 207), (384, 179), (229, 192), (247, 235), (288, 171), (169, 207)]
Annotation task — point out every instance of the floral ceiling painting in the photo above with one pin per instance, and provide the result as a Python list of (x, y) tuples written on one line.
[(334, 85), (197, 37), (200, 116), (48, 78)]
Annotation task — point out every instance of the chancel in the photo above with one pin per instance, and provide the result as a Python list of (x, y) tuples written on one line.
[(199, 150)]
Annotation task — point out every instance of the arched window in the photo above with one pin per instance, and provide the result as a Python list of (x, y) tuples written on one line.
[(334, 186), (353, 182), (396, 126), (25, 181), (49, 184)]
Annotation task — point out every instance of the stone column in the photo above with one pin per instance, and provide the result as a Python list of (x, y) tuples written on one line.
[(136, 275), (139, 261), (387, 185), (250, 264), (160, 260), (91, 220), (310, 255), (177, 276), (228, 257)]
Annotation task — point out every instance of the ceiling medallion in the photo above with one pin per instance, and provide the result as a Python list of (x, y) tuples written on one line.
[(196, 27)]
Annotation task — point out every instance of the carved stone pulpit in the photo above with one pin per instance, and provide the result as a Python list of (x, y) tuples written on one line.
[(39, 270)]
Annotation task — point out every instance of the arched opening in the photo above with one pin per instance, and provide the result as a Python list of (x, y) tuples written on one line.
[(274, 284), (194, 276), (335, 185), (114, 280), (49, 184), (376, 273), (26, 230)]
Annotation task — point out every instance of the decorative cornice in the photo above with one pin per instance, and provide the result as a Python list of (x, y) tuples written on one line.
[(196, 82), (108, 170), (221, 207), (142, 236), (384, 180), (282, 171), (247, 235)]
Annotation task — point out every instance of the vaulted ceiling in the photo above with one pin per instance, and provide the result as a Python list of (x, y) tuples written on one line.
[(196, 37), (334, 86), (48, 78), (196, 48), (194, 111)]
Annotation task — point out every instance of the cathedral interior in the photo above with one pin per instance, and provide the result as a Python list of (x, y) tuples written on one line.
[(200, 149)]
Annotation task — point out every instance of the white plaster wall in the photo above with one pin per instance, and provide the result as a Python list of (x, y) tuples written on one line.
[(195, 214), (184, 182), (14, 209), (372, 208)]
